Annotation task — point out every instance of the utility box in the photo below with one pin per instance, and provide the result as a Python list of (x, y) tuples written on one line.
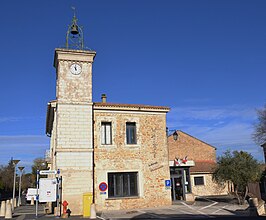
[(87, 201)]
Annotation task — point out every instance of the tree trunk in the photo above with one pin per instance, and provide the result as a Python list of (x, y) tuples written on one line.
[(237, 196), (246, 193)]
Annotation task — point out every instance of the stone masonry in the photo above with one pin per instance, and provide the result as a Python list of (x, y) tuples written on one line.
[(149, 157), (71, 136), (204, 156)]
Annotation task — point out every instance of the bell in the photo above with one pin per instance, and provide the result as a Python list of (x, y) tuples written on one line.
[(74, 29)]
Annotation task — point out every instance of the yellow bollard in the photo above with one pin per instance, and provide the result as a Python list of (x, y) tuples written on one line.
[(8, 211), (3, 209)]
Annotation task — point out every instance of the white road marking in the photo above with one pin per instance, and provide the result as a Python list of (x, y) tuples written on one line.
[(219, 210), (180, 210), (189, 213), (208, 206), (202, 213)]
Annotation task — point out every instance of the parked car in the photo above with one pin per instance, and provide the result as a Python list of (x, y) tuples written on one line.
[(31, 192)]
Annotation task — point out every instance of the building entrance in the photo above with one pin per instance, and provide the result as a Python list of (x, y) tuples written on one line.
[(177, 187), (180, 182)]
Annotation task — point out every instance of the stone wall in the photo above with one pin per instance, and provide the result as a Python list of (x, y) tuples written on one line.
[(74, 153), (149, 157), (209, 188), (192, 147)]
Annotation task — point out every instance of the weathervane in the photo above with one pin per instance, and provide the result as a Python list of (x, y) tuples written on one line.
[(74, 37)]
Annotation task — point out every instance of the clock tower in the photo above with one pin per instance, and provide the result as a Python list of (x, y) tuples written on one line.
[(71, 140)]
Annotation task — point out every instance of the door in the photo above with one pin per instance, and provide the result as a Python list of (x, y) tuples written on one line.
[(177, 188)]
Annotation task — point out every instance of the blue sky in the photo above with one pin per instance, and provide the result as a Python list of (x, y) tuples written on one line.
[(204, 59)]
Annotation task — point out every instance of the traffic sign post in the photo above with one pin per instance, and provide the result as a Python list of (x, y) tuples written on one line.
[(103, 186)]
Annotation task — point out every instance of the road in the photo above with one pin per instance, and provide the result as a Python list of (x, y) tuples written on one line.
[(202, 209)]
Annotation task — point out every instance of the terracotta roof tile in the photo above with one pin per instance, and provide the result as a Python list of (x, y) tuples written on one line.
[(203, 167), (108, 104)]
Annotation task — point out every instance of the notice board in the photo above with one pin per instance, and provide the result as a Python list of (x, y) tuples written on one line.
[(47, 190)]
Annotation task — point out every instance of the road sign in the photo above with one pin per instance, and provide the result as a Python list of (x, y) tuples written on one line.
[(103, 186), (167, 183), (46, 172)]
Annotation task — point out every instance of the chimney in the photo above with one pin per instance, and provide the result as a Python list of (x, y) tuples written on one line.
[(104, 98)]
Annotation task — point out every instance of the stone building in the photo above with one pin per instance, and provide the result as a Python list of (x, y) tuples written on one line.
[(116, 153), (121, 145), (192, 163)]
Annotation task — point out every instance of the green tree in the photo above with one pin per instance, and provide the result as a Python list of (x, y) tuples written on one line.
[(239, 168), (38, 164), (7, 176), (259, 135)]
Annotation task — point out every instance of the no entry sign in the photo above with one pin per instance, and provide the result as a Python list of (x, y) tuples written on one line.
[(103, 186)]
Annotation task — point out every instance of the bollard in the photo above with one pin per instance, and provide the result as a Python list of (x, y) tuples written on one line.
[(3, 209), (32, 201), (8, 211), (15, 202), (93, 211)]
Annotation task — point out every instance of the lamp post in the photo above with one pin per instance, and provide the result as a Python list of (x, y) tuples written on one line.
[(15, 162), (19, 191), (175, 134)]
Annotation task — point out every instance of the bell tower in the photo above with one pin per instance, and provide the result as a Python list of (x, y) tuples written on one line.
[(73, 124)]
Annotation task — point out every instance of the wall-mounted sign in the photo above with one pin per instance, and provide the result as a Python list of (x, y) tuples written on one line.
[(167, 183), (103, 186)]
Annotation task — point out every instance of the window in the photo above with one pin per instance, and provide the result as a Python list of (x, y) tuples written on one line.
[(199, 180), (106, 133), (131, 133), (122, 184)]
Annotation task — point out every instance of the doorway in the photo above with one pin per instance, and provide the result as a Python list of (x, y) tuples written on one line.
[(177, 187), (180, 182)]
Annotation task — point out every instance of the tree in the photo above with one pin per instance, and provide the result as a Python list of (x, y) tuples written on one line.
[(7, 176), (38, 164), (259, 135), (239, 168)]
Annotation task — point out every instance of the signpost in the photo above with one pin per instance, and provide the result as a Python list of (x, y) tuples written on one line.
[(47, 189)]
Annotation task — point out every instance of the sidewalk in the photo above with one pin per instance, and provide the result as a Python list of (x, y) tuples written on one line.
[(179, 210)]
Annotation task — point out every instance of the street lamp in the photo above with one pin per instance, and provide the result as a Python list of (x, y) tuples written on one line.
[(19, 192), (175, 134), (15, 162)]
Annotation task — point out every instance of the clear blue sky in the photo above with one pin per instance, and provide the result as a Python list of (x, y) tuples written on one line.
[(204, 59)]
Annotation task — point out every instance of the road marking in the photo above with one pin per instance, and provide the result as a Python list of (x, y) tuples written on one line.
[(151, 214), (189, 213), (219, 210), (208, 206), (202, 213), (187, 205), (180, 210)]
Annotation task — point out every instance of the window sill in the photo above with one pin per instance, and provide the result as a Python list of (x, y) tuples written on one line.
[(107, 146), (132, 146), (120, 198)]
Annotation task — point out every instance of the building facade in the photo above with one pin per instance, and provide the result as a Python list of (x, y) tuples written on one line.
[(192, 163), (120, 146)]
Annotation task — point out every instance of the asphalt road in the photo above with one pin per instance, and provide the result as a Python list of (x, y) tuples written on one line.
[(204, 208)]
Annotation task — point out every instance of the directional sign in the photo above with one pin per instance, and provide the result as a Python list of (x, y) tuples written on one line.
[(46, 172), (103, 186)]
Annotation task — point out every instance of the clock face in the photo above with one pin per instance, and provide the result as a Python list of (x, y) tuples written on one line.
[(75, 69)]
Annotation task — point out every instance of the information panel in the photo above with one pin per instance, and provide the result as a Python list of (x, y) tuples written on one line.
[(47, 190)]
